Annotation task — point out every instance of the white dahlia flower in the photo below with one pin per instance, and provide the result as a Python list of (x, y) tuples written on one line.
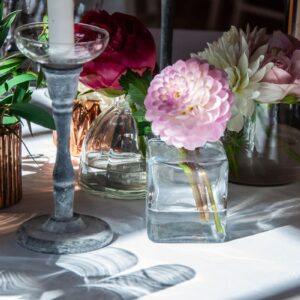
[(240, 55)]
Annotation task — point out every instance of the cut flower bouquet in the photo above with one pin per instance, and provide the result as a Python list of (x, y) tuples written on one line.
[(263, 73), (261, 69), (188, 105)]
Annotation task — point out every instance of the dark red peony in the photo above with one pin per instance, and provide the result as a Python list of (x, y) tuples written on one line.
[(131, 46)]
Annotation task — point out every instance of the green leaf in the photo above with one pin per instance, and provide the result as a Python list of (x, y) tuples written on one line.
[(4, 78), (5, 87), (111, 92), (7, 100), (27, 97), (33, 114), (134, 79), (144, 127), (30, 128), (8, 20), (21, 91), (139, 115), (128, 78), (147, 76), (290, 99), (44, 36), (136, 87), (40, 82), (136, 95), (9, 120), (5, 25), (9, 64), (3, 35), (1, 10)]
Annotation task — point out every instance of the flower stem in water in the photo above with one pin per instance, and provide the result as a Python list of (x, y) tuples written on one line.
[(202, 190)]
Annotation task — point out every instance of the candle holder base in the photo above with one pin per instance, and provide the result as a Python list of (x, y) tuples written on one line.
[(77, 235)]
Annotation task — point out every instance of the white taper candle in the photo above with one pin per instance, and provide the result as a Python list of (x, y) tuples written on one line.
[(61, 25)]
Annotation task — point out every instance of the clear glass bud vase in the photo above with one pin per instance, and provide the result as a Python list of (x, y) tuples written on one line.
[(111, 163), (186, 193)]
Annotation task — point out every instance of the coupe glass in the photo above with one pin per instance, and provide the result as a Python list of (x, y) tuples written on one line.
[(89, 41)]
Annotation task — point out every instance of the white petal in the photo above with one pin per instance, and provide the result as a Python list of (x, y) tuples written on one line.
[(236, 123)]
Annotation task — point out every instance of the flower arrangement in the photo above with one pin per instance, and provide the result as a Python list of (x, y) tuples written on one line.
[(260, 69), (263, 73), (188, 105)]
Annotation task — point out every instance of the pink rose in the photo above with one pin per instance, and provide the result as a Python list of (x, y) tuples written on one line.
[(278, 75), (283, 77), (131, 46), (283, 52)]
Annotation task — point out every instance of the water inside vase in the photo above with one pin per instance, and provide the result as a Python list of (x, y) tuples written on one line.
[(115, 175), (173, 214)]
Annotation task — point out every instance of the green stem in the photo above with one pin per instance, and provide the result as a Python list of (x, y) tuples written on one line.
[(200, 197), (142, 145), (200, 203), (231, 155), (213, 203)]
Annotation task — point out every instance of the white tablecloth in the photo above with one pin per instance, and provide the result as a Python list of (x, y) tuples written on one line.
[(261, 260)]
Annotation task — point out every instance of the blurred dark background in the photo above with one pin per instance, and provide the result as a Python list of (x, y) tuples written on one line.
[(215, 15), (191, 16)]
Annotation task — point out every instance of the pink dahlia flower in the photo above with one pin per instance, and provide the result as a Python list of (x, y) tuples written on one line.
[(189, 104)]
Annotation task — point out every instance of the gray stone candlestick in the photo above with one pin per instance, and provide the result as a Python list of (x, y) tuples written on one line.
[(64, 232), (62, 106)]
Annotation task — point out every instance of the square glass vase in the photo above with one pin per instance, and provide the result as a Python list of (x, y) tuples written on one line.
[(186, 193)]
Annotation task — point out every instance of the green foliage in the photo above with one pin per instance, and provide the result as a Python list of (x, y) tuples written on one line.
[(44, 36), (11, 63), (108, 92), (136, 87), (5, 24), (15, 94), (233, 142), (32, 113), (16, 82), (290, 99)]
